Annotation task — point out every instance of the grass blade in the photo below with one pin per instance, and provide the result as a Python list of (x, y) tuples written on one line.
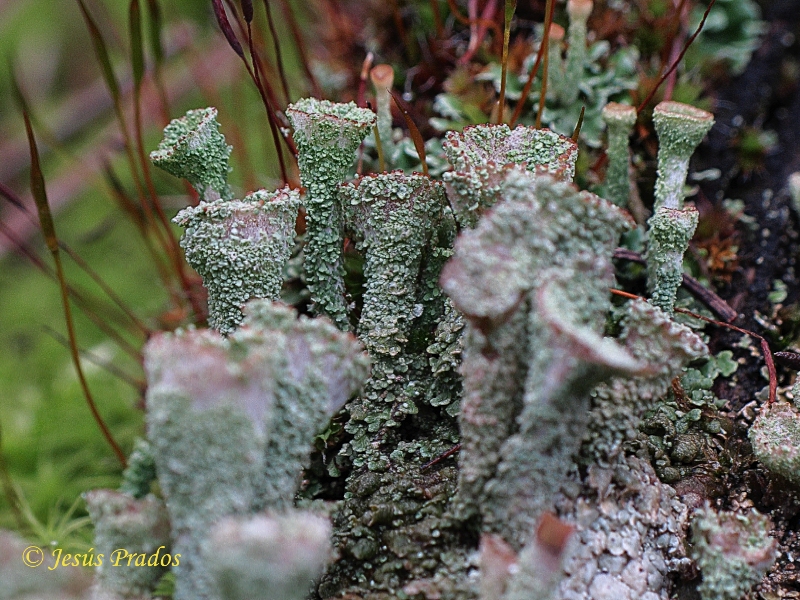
[(39, 192), (511, 7)]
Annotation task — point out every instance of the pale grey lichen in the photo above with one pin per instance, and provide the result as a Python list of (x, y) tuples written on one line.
[(232, 420), (619, 119), (137, 526), (141, 470), (733, 551), (680, 129), (483, 155), (578, 11), (382, 77), (775, 437), (327, 136), (506, 277), (195, 150), (269, 556), (240, 248), (669, 234)]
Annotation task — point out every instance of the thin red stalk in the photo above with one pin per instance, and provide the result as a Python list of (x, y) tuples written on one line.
[(577, 131), (526, 89), (138, 384), (437, 19), (20, 245), (510, 7), (413, 130), (157, 50), (278, 56), (48, 229), (674, 45), (675, 64)]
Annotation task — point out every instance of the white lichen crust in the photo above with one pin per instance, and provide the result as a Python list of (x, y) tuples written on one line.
[(482, 156), (195, 150), (239, 248), (327, 135)]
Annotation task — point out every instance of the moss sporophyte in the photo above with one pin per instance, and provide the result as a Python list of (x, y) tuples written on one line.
[(481, 320)]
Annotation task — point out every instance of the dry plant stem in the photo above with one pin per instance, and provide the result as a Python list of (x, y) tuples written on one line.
[(675, 64), (413, 130), (675, 44), (278, 55), (49, 232), (140, 385), (709, 298), (510, 6), (526, 89), (10, 491), (156, 49), (437, 18), (770, 363), (84, 266), (548, 20)]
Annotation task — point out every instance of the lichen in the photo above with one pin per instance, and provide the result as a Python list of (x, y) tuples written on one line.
[(269, 557), (195, 150), (239, 248), (732, 550), (327, 136), (619, 119), (483, 155), (775, 436)]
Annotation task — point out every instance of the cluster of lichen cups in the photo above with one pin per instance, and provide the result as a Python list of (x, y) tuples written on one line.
[(232, 413)]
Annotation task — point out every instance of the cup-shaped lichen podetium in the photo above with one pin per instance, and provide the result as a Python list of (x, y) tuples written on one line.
[(269, 557), (239, 248), (323, 368), (680, 129), (392, 216), (578, 11), (619, 119), (327, 136), (133, 537), (207, 415), (482, 155), (669, 235), (195, 150)]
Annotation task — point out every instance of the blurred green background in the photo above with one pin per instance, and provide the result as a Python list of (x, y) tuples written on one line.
[(51, 448)]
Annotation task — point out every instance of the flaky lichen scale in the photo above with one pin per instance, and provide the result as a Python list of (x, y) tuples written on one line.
[(193, 149), (239, 248), (775, 437), (327, 135)]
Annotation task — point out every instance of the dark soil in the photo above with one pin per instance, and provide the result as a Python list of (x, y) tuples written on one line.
[(765, 97)]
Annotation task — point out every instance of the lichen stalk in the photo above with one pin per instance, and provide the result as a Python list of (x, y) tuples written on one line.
[(239, 248), (680, 129), (193, 149), (619, 119), (578, 11), (327, 135), (392, 217), (669, 235)]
